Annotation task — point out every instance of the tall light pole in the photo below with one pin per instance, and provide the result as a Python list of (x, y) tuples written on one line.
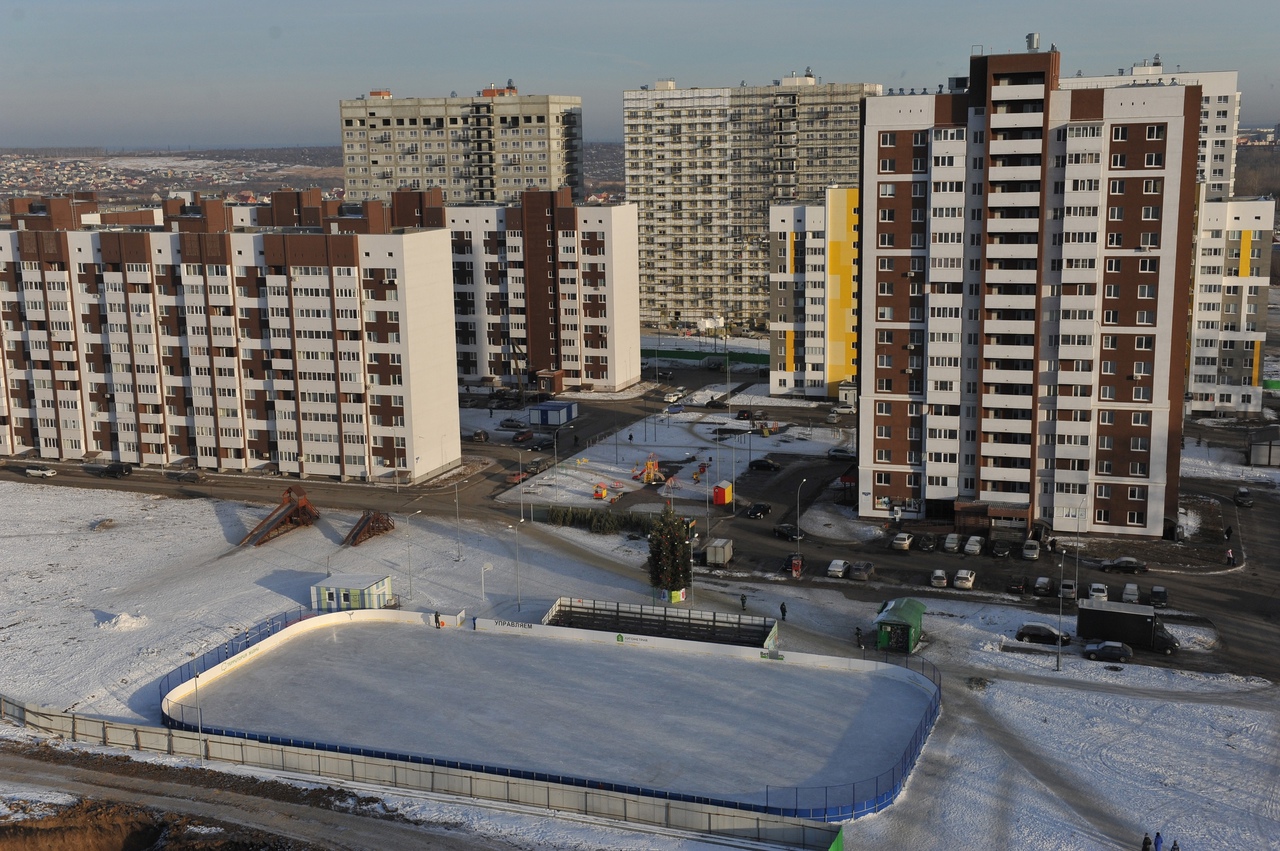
[(457, 517), (517, 531), (408, 549), (1061, 562), (799, 532), (556, 441), (1079, 516)]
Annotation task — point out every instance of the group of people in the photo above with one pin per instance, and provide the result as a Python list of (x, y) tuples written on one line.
[(1149, 844)]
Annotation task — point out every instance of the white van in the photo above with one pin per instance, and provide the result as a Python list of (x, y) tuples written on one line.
[(1130, 593)]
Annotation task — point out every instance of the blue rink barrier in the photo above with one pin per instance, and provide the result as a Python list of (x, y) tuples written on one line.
[(815, 803)]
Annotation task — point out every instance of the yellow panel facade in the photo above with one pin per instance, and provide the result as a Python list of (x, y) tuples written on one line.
[(842, 288)]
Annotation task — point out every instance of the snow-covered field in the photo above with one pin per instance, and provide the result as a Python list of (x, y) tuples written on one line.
[(1023, 755)]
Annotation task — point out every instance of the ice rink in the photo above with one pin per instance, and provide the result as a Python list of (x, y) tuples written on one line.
[(688, 722)]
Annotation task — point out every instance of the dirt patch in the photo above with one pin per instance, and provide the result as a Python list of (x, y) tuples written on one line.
[(97, 826), (102, 826)]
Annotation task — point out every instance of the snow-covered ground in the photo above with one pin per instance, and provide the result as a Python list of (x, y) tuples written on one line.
[(1088, 757)]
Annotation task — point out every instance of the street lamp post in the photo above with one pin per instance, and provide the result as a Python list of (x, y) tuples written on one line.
[(408, 550), (1079, 517), (1061, 563), (556, 441), (457, 517), (799, 532)]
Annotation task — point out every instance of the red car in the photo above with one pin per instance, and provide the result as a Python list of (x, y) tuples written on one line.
[(522, 436)]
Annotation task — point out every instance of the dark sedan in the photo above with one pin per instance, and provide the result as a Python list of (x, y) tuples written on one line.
[(926, 542), (1108, 651), (1042, 633), (759, 509), (767, 464), (788, 531)]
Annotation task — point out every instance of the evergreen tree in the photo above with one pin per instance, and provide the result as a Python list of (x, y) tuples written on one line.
[(670, 568)]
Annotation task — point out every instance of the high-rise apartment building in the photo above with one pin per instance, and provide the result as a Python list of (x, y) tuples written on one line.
[(1219, 114), (813, 298), (544, 291), (704, 165), (1229, 307), (227, 337), (487, 148), (1027, 262)]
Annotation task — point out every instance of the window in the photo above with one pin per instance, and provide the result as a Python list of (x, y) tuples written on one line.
[(886, 214), (1150, 214), (1106, 417), (1116, 187), (1141, 418), (1115, 214), (1154, 160), (1149, 264), (1119, 133), (1153, 186), (1137, 518), (1118, 160), (887, 166), (888, 190), (888, 140), (882, 478), (1113, 264), (1146, 291)]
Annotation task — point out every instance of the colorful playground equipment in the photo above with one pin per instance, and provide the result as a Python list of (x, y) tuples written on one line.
[(294, 510), (370, 523), (650, 474)]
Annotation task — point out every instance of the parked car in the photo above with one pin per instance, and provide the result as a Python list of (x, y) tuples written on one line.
[(1159, 597), (717, 403), (1097, 591), (665, 374), (1108, 651), (1243, 498), (1123, 564), (767, 464), (1000, 549), (964, 579), (1041, 633), (671, 397), (973, 546), (1017, 585), (479, 436), (522, 436), (1130, 594), (758, 509), (115, 470), (788, 531), (1031, 550), (901, 541), (40, 471), (1043, 587), (512, 422), (536, 466), (938, 579), (744, 414), (862, 570), (926, 542), (833, 418), (541, 444), (951, 543), (1067, 590), (517, 477), (842, 408), (839, 568), (757, 415), (675, 409), (842, 452)]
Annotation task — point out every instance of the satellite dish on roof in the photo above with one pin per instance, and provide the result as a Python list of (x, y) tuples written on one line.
[(453, 94)]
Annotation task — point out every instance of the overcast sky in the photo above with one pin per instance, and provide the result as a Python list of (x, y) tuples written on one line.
[(174, 73)]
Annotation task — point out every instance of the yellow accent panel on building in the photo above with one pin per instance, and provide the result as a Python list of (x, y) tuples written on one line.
[(791, 253), (842, 288), (1246, 245), (1257, 361), (789, 342)]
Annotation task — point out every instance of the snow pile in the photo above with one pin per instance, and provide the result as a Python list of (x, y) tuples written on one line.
[(123, 621)]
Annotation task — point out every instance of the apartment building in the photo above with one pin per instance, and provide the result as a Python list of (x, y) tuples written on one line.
[(1229, 307), (487, 148), (1027, 255), (1219, 113), (545, 292), (230, 338), (813, 298), (704, 165)]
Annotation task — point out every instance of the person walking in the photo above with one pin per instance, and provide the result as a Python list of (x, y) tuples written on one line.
[(744, 602), (1159, 843), (857, 635), (631, 437), (1226, 534), (1146, 842), (1174, 846), (783, 609), (1231, 557)]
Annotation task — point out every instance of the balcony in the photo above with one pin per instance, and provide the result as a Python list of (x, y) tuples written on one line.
[(1014, 120)]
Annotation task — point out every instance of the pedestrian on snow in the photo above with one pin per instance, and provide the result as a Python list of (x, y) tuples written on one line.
[(1227, 533), (783, 609), (1231, 557), (1159, 843), (744, 602), (630, 437), (857, 634), (1146, 842), (1174, 846), (575, 441)]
